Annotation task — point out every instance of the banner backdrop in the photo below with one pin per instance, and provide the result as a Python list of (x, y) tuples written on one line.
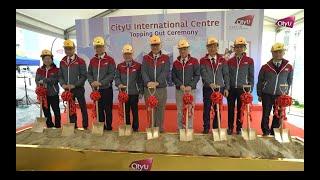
[(196, 27)]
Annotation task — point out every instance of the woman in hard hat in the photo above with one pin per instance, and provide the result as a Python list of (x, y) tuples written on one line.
[(275, 72), (214, 71), (128, 74), (185, 75), (72, 76), (101, 72), (47, 75), (155, 68), (241, 72)]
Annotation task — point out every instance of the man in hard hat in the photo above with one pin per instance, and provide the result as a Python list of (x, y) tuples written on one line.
[(275, 72), (47, 75), (128, 75), (214, 71), (241, 72), (72, 76), (101, 72), (185, 75), (155, 69)]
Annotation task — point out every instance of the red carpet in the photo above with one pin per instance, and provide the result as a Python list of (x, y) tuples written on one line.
[(170, 122)]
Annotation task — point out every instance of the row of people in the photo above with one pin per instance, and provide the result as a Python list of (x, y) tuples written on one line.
[(214, 70)]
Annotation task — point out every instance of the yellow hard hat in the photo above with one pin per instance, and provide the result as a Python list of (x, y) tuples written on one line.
[(240, 40), (68, 43), (127, 49), (212, 40), (277, 47), (98, 41), (155, 40), (183, 43), (46, 52)]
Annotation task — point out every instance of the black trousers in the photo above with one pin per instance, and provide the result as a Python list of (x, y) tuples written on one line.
[(234, 95), (133, 105), (207, 91), (105, 107), (53, 102), (267, 103), (79, 94)]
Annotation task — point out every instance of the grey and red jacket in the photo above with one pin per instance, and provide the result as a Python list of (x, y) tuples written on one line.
[(50, 79), (155, 69), (216, 73), (270, 77), (74, 72), (188, 74), (241, 72), (130, 76), (102, 70)]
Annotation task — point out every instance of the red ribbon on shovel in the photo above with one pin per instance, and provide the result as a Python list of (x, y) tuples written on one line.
[(280, 104), (216, 98), (67, 97), (123, 97), (187, 104), (95, 96), (246, 99), (42, 95), (152, 102)]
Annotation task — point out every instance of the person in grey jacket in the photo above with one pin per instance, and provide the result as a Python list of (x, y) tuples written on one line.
[(185, 75), (214, 71), (128, 75), (101, 72), (155, 69), (47, 76), (72, 76), (275, 72), (241, 72)]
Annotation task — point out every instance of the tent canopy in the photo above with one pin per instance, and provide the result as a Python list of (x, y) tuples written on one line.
[(27, 61)]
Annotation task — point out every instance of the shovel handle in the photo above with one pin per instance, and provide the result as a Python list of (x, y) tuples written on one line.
[(152, 120), (218, 115), (248, 121), (154, 90), (68, 113), (285, 88), (41, 107), (187, 119), (124, 113), (246, 86)]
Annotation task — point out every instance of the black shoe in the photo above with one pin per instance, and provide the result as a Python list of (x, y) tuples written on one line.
[(265, 134), (206, 131), (239, 132), (109, 129), (85, 128), (135, 130), (229, 131)]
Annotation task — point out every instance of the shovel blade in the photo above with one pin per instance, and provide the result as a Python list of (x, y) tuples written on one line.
[(122, 130), (248, 135), (283, 137), (219, 135), (152, 133), (67, 129), (128, 130), (97, 128), (39, 125), (186, 135)]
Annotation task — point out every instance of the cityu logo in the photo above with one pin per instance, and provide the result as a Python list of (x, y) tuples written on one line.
[(286, 22), (246, 20), (142, 165)]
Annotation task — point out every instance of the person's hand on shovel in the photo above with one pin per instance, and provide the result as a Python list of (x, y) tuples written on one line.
[(151, 84), (182, 87), (121, 86), (213, 86)]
